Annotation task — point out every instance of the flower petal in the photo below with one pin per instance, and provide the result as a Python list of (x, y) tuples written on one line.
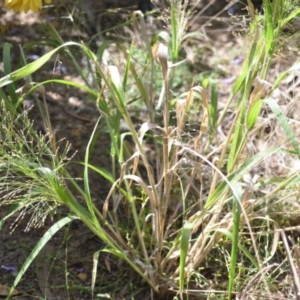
[(25, 5)]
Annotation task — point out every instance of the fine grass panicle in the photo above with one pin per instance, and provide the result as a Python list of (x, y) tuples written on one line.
[(26, 161), (193, 213)]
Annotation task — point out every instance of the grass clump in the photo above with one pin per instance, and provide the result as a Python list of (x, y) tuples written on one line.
[(190, 217)]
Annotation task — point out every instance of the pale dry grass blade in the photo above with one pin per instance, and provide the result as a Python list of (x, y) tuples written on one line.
[(293, 269), (255, 282)]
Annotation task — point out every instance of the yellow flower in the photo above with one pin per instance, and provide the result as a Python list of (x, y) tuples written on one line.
[(25, 5)]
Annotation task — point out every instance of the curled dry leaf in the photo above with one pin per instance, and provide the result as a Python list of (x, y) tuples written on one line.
[(5, 289), (82, 276)]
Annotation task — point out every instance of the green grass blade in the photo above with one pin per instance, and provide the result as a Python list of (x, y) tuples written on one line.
[(213, 107), (138, 80), (7, 69), (241, 247), (284, 124), (88, 198), (243, 169), (184, 245), (238, 140), (253, 113), (290, 17), (104, 45), (174, 31), (268, 27), (127, 68), (37, 249), (236, 212), (34, 66), (105, 174), (60, 81), (11, 211), (139, 266), (243, 80), (284, 74)]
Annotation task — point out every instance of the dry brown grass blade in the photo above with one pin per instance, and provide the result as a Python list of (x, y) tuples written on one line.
[(255, 280), (297, 256), (215, 17), (47, 120), (293, 270)]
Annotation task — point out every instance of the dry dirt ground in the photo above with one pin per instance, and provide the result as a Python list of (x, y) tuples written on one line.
[(67, 259)]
